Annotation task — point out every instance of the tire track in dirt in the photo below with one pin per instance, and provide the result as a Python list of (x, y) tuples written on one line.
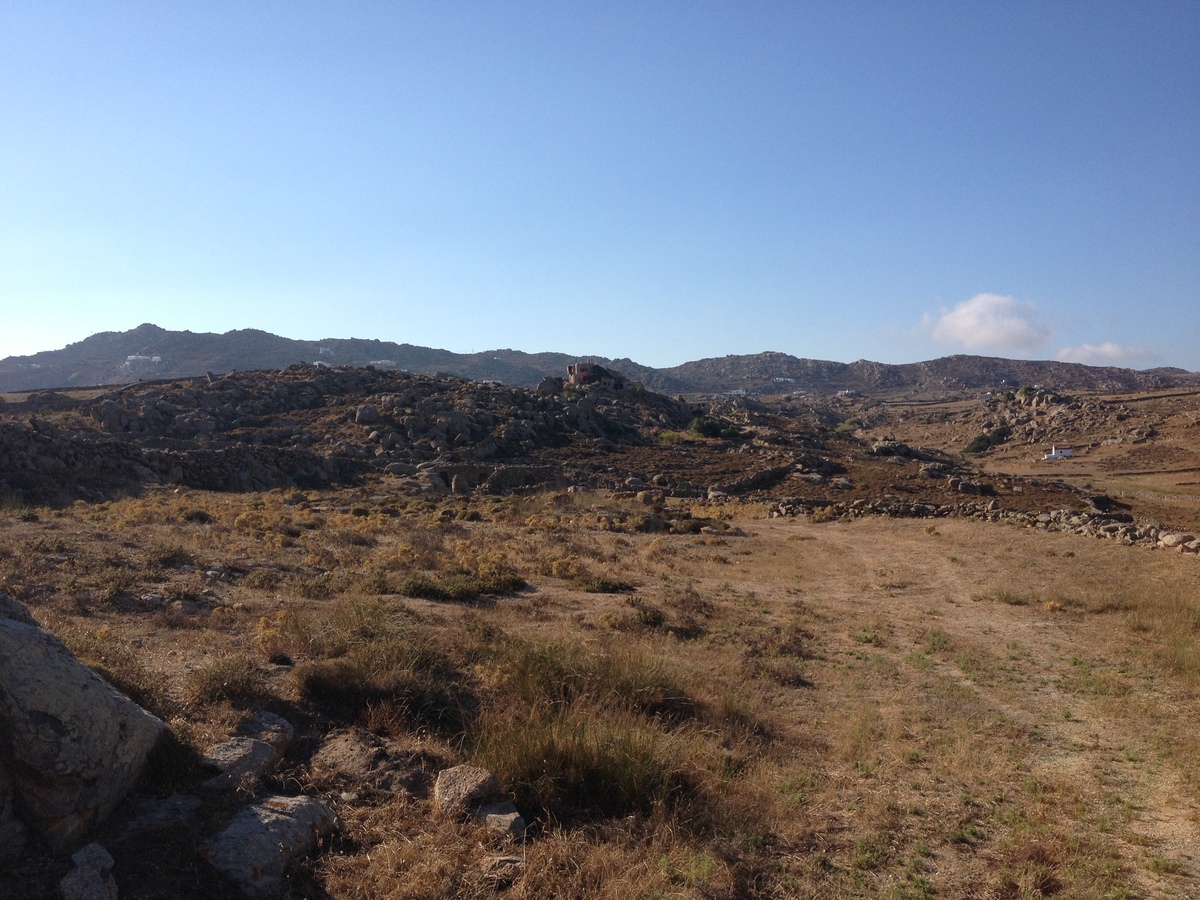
[(1105, 760)]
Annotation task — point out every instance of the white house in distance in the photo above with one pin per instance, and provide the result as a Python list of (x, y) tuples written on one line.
[(1057, 452)]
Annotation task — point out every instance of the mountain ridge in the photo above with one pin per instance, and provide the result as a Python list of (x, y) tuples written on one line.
[(149, 352)]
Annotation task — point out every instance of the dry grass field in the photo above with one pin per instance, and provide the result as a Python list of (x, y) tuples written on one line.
[(737, 707)]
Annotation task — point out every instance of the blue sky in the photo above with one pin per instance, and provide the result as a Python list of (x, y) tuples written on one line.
[(661, 180)]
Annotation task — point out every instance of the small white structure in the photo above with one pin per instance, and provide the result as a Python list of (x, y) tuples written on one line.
[(139, 359), (1057, 452)]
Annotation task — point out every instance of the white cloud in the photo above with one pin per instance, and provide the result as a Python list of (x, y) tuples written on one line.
[(992, 322), (1107, 354)]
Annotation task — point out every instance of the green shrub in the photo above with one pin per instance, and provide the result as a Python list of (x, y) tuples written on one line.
[(646, 614), (711, 427), (262, 579), (607, 586), (989, 440), (319, 587), (169, 556)]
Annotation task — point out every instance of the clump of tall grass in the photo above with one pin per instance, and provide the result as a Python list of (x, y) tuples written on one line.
[(553, 673), (601, 585), (1172, 619), (576, 732), (566, 761), (415, 680), (458, 586), (169, 556), (1168, 617), (232, 679), (361, 652)]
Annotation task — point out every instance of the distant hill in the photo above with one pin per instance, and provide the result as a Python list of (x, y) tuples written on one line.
[(151, 353), (948, 374)]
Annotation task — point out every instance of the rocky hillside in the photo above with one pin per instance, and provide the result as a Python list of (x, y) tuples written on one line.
[(779, 373), (152, 353), (309, 426), (149, 353)]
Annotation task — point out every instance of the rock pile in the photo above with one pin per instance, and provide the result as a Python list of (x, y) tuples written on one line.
[(40, 462)]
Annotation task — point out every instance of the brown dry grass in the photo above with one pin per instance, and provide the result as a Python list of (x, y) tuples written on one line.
[(786, 709)]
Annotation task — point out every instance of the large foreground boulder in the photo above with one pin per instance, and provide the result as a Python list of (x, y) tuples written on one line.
[(71, 745)]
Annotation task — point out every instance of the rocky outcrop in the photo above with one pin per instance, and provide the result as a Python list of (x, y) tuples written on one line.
[(41, 463), (12, 830), (309, 426), (761, 479), (72, 745)]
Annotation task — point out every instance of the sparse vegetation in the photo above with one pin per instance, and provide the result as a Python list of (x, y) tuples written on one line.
[(683, 697)]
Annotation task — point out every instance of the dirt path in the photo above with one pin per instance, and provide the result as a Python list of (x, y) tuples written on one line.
[(971, 602)]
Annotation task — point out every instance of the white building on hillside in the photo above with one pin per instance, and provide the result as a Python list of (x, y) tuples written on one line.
[(1057, 452)]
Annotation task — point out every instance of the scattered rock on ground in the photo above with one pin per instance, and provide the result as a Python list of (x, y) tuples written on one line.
[(266, 726), (91, 879), (1174, 541), (236, 759), (259, 843), (502, 819), (459, 788)]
